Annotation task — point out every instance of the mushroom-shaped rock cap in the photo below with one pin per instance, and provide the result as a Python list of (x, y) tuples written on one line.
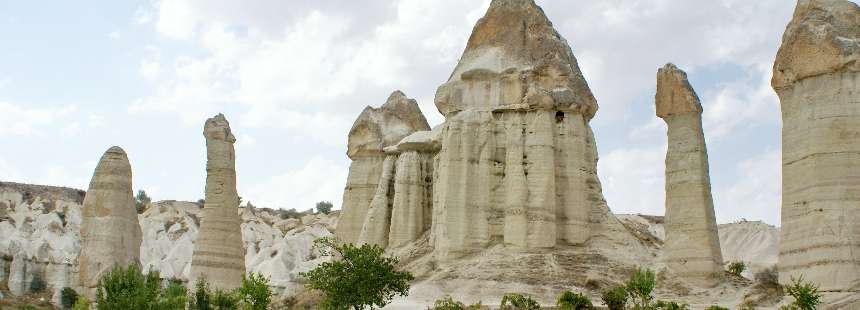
[(516, 41), (218, 128), (675, 96), (823, 37), (377, 128), (420, 141)]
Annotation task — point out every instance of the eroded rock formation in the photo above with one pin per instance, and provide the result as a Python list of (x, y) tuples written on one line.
[(412, 204), (110, 232), (218, 255), (373, 131), (817, 78), (692, 247), (517, 159)]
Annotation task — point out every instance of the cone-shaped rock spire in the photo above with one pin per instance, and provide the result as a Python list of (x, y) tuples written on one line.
[(110, 232)]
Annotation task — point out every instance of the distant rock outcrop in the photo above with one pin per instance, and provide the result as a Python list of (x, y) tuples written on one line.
[(817, 78), (110, 232), (218, 253), (373, 131), (692, 248)]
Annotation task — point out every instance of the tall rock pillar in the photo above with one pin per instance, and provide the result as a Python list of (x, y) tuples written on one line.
[(373, 131), (692, 248), (110, 232), (219, 255), (817, 78)]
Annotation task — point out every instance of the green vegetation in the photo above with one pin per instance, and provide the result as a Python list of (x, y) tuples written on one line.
[(359, 277), (449, 303), (736, 268), (255, 292), (669, 305), (616, 298), (127, 288), (81, 304), (141, 200), (716, 308), (640, 286), (519, 302), (574, 301), (324, 207), (38, 284), (68, 298), (290, 214), (806, 295)]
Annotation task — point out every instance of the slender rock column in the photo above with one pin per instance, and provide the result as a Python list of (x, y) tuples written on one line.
[(219, 255), (692, 248), (110, 232), (17, 275), (413, 187), (377, 224), (817, 78)]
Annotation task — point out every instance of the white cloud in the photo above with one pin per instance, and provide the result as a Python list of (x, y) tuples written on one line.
[(150, 69), (742, 103), (757, 192), (142, 16), (317, 180), (633, 179), (114, 35), (17, 120)]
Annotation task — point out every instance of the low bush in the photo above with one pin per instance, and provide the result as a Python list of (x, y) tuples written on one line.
[(616, 298), (736, 268), (68, 298), (715, 307), (640, 286), (806, 295), (518, 302), (255, 292), (670, 305), (447, 303), (574, 301), (37, 285)]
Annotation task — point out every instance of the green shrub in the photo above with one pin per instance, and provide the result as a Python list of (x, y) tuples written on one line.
[(222, 300), (324, 207), (37, 285), (519, 302), (736, 268), (141, 200), (670, 305), (574, 301), (81, 304), (447, 303), (616, 298), (200, 299), (68, 297), (290, 214), (715, 307), (255, 292), (640, 287), (806, 295), (174, 296), (127, 288), (359, 277)]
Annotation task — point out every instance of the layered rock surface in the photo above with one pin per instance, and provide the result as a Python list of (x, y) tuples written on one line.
[(373, 131), (218, 255), (817, 78), (692, 248), (110, 232), (518, 159)]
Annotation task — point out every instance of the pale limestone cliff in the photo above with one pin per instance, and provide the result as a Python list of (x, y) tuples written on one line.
[(110, 232), (412, 205), (218, 254), (692, 247), (517, 159), (817, 78), (377, 223), (373, 131)]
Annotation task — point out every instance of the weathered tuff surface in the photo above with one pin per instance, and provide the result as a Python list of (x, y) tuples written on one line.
[(218, 256), (110, 232), (692, 248), (817, 78), (518, 158), (373, 131)]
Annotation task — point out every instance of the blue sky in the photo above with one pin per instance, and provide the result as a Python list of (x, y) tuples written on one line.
[(79, 76)]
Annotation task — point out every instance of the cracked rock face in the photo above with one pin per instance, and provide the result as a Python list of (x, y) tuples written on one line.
[(218, 253), (692, 246), (110, 232), (816, 78), (517, 160), (375, 130)]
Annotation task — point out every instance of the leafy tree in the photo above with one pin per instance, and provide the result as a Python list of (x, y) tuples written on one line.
[(640, 286), (141, 200), (127, 288), (806, 295), (736, 268), (574, 301), (519, 302), (358, 278), (68, 297), (324, 207), (255, 292), (616, 298)]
